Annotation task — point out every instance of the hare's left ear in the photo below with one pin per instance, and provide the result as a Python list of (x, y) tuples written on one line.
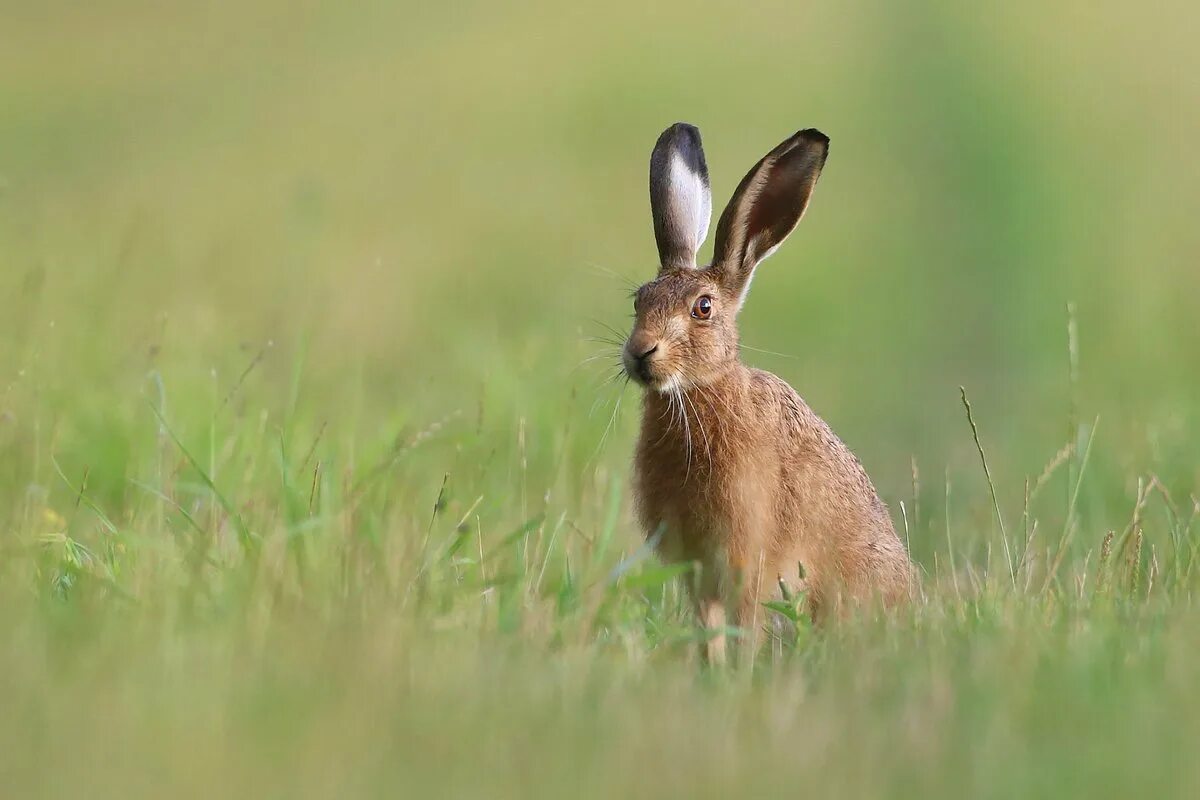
[(766, 207), (680, 199)]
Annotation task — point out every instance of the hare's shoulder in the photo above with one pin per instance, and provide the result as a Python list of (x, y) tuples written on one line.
[(799, 428), (773, 397), (819, 463)]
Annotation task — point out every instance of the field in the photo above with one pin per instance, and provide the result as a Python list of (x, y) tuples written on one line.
[(310, 484)]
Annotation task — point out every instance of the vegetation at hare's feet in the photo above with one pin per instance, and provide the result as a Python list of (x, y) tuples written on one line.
[(314, 453)]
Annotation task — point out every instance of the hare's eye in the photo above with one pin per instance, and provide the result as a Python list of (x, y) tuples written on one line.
[(702, 308)]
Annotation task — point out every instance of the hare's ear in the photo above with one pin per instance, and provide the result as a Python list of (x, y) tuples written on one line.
[(680, 199), (766, 207)]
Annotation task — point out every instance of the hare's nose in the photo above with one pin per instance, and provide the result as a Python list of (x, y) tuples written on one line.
[(641, 345), (646, 353)]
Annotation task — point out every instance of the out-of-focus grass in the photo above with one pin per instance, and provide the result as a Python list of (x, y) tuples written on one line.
[(304, 489)]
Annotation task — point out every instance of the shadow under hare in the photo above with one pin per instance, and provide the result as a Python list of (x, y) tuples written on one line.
[(733, 470)]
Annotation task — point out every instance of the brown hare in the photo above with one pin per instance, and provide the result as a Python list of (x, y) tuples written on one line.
[(733, 470)]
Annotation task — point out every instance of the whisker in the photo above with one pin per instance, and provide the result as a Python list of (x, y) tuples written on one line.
[(600, 269), (718, 398), (606, 380), (616, 357), (607, 327), (603, 340), (608, 377), (670, 422), (704, 433), (687, 434), (768, 352), (596, 404)]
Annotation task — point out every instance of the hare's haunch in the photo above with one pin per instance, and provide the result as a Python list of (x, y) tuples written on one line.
[(733, 470)]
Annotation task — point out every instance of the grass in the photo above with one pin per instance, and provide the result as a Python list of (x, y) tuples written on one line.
[(272, 611), (309, 485)]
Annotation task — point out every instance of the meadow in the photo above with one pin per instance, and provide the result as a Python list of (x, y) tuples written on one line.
[(314, 477)]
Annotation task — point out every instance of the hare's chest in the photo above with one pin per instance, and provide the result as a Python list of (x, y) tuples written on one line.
[(683, 532), (692, 513)]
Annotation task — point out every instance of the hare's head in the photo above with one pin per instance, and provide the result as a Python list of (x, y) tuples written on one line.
[(685, 333)]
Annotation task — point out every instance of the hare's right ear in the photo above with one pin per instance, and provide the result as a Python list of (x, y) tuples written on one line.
[(766, 207), (680, 199)]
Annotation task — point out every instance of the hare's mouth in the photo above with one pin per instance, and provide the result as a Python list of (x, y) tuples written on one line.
[(641, 373), (653, 375), (645, 371)]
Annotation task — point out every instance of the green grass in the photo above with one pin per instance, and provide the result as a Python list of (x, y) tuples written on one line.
[(307, 487), (293, 621)]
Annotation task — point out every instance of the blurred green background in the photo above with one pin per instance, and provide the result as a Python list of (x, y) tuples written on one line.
[(433, 199), (330, 228)]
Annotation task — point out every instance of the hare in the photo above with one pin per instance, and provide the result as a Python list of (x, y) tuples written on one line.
[(732, 469)]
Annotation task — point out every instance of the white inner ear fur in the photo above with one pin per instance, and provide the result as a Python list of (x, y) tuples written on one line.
[(752, 248), (754, 268), (690, 204)]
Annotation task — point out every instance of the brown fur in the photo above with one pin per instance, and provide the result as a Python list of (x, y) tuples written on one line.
[(733, 470)]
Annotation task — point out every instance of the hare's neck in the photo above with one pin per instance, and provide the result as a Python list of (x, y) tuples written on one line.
[(694, 419)]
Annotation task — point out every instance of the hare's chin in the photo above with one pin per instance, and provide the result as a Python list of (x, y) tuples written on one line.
[(663, 384), (670, 385)]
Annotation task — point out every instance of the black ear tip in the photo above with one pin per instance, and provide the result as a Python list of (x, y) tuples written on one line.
[(813, 135), (682, 139), (809, 141), (682, 131)]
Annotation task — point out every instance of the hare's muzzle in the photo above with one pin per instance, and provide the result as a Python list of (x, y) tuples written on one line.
[(639, 357)]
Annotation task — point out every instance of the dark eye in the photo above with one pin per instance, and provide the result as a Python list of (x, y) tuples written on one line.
[(702, 308)]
